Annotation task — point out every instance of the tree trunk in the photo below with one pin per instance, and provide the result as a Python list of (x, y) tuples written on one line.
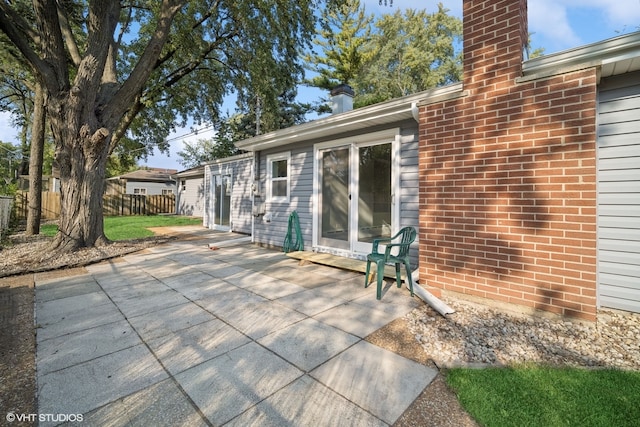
[(82, 187), (34, 207), (81, 153)]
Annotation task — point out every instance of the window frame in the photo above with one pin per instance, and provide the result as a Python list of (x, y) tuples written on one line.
[(140, 191), (271, 159)]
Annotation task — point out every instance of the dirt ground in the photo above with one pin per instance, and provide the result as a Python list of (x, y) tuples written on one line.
[(436, 406)]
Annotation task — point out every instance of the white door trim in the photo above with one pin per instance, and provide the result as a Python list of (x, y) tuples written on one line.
[(386, 136)]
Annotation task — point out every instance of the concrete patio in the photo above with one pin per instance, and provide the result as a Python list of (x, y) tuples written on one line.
[(184, 335)]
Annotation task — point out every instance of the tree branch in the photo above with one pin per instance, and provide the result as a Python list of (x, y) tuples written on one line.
[(121, 101), (68, 35), (21, 35)]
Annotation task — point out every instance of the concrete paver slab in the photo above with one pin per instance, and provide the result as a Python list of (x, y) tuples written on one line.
[(89, 385), (167, 269), (162, 404), (220, 270), (398, 302), (226, 386), (249, 278), (308, 302), (308, 344), (274, 289), (227, 303), (355, 319), (193, 346), (259, 319), (170, 319), (292, 274), (185, 280), (138, 290), (64, 287), (306, 402), (64, 316), (203, 290), (344, 290), (146, 304), (71, 349), (375, 379)]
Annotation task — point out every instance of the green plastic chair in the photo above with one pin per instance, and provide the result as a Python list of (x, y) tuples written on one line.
[(404, 238)]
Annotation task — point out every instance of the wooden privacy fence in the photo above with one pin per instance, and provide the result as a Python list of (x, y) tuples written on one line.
[(113, 205)]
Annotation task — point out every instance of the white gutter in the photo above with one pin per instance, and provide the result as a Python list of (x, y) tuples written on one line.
[(361, 118)]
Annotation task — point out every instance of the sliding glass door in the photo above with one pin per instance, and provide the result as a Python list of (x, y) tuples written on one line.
[(335, 198), (355, 195), (221, 208)]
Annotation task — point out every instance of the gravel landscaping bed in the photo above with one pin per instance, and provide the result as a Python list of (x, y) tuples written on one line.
[(476, 334)]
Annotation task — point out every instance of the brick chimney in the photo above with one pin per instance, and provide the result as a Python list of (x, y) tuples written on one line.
[(341, 99), (508, 175), (495, 40)]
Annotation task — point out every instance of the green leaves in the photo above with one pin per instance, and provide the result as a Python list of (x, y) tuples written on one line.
[(395, 55)]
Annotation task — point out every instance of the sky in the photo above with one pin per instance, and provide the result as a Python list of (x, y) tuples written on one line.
[(555, 25)]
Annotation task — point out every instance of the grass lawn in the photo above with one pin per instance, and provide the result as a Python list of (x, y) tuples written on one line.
[(132, 227), (544, 396)]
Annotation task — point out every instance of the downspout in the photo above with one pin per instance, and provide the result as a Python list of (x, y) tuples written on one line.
[(415, 112), (426, 296)]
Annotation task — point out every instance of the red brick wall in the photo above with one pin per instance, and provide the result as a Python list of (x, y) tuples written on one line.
[(508, 176)]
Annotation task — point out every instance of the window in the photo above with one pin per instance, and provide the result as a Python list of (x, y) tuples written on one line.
[(141, 191), (278, 177), (167, 192)]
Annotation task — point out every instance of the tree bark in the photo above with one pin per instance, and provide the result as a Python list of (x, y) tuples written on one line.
[(82, 160), (34, 207)]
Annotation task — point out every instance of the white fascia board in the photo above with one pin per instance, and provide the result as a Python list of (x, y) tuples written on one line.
[(383, 113), (227, 159), (591, 55)]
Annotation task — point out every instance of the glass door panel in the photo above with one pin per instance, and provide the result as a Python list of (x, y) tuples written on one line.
[(222, 207), (334, 197), (375, 195)]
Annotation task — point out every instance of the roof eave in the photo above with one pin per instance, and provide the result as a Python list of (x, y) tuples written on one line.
[(378, 114), (622, 48)]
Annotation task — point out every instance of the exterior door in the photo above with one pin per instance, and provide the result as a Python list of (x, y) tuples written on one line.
[(355, 196), (222, 200), (334, 198), (374, 190)]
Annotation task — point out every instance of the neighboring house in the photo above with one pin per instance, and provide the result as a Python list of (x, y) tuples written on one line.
[(228, 193), (50, 183), (143, 182), (524, 185), (191, 192)]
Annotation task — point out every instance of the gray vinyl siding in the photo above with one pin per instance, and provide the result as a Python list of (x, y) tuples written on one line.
[(241, 197), (301, 199), (240, 169), (301, 180), (619, 193), (409, 183), (191, 196)]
